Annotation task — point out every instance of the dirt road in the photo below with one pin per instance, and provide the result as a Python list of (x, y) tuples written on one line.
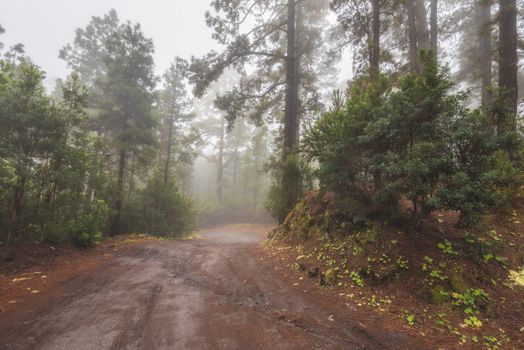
[(218, 292)]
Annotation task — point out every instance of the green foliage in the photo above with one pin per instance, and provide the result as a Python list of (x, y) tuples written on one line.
[(409, 318), (446, 247), (58, 155), (160, 209), (289, 183), (356, 278), (86, 55), (402, 263), (417, 141), (87, 230), (471, 300)]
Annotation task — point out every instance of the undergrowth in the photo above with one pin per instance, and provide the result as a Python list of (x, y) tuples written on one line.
[(438, 278)]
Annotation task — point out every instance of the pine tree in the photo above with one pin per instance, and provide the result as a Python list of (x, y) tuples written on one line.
[(284, 64), (125, 101), (31, 130), (508, 64), (179, 139)]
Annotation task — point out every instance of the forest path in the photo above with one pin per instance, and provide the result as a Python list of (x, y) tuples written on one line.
[(218, 292)]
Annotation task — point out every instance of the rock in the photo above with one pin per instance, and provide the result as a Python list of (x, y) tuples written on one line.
[(458, 284), (330, 277), (313, 272), (436, 295)]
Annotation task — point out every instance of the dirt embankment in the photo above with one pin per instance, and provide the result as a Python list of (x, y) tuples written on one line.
[(447, 283)]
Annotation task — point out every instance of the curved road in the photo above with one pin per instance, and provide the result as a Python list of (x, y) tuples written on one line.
[(219, 292)]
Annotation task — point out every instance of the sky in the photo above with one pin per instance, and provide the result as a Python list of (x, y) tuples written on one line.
[(44, 26)]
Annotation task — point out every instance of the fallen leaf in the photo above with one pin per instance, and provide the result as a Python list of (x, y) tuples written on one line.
[(21, 279)]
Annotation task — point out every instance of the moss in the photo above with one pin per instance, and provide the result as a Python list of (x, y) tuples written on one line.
[(368, 236), (458, 284), (435, 295), (330, 277), (517, 277)]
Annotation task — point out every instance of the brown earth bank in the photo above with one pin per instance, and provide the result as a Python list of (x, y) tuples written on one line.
[(221, 291), (459, 287)]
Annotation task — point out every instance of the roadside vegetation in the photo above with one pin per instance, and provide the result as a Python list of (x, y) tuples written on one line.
[(97, 156), (401, 187), (419, 207)]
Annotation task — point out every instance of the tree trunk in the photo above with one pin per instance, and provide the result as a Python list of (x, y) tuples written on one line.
[(485, 48), (375, 41), (16, 208), (434, 27), (235, 172), (508, 64), (290, 114), (120, 193), (255, 185), (220, 162), (422, 25), (167, 166), (412, 36), (291, 108), (299, 34)]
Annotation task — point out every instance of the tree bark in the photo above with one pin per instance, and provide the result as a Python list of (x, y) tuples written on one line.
[(412, 36), (485, 48), (290, 113), (508, 64), (235, 171), (220, 163), (167, 166), (422, 25), (375, 46), (16, 208), (120, 193), (434, 27), (255, 185), (291, 108), (299, 47)]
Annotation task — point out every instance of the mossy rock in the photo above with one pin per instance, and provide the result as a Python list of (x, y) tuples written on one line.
[(329, 278), (382, 274), (368, 236), (458, 284), (436, 295)]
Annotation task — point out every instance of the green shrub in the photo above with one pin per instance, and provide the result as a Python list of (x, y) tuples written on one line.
[(160, 209), (418, 141), (288, 186), (87, 230)]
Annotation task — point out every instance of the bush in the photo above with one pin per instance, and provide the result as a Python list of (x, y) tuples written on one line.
[(87, 230), (418, 141), (288, 186), (161, 209)]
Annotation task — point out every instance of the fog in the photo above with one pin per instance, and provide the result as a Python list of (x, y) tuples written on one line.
[(205, 102), (44, 27), (178, 28)]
